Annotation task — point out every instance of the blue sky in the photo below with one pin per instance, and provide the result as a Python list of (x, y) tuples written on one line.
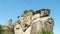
[(10, 9)]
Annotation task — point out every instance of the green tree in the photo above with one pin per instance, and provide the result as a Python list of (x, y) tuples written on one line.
[(1, 29), (26, 11)]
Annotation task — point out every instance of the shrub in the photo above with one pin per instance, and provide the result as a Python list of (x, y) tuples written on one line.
[(1, 29), (45, 31), (26, 11)]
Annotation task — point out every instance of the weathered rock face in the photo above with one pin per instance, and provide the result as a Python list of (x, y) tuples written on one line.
[(18, 29), (9, 23), (8, 27), (31, 23)]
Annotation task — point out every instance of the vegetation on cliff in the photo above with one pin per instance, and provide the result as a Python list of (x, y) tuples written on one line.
[(45, 31), (27, 11)]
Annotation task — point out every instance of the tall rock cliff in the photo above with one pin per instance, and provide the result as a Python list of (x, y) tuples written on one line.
[(32, 21)]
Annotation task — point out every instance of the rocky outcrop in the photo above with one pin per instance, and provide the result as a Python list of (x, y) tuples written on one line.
[(8, 27), (31, 22)]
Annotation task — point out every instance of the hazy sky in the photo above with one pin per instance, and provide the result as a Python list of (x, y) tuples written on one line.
[(13, 8)]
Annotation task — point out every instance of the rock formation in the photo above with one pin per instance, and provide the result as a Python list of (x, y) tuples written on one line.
[(32, 22), (8, 27)]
